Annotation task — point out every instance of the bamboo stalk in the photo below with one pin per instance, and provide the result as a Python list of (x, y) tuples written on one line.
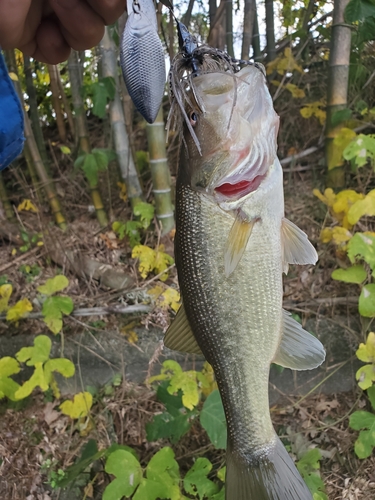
[(56, 102), (34, 115), (82, 132), (270, 31), (66, 105), (124, 156), (255, 41), (40, 169), (9, 213), (248, 26), (160, 173), (229, 27), (338, 77)]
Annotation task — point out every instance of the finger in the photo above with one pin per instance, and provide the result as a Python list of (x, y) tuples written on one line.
[(49, 45), (17, 24), (109, 10), (80, 25)]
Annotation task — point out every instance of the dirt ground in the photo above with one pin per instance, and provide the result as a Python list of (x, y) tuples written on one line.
[(35, 439)]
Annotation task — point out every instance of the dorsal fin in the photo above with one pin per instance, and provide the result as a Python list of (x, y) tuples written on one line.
[(296, 246), (179, 335), (298, 350), (237, 240)]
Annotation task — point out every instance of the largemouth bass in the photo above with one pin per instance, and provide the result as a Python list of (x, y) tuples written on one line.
[(232, 245), (142, 58)]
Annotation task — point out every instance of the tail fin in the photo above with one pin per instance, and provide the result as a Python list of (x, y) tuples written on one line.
[(269, 476)]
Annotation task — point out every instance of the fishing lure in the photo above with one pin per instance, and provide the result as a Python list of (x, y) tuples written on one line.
[(142, 59)]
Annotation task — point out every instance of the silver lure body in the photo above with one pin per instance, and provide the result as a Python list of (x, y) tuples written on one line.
[(142, 59)]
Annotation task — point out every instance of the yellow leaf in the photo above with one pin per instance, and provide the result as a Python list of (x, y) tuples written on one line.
[(328, 198), (171, 297), (342, 138), (366, 352), (314, 109), (276, 83), (130, 335), (27, 205), (14, 251), (337, 234), (146, 256), (13, 76), (295, 91), (5, 293), (362, 206), (19, 310), (79, 407), (209, 375), (326, 235), (284, 63), (155, 292), (123, 195)]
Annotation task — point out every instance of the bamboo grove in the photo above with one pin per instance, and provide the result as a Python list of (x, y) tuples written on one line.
[(320, 62)]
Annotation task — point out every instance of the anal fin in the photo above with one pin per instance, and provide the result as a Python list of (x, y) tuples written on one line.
[(296, 246), (237, 240), (179, 335), (298, 350)]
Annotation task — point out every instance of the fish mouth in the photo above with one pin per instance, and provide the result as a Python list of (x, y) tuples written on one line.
[(239, 189)]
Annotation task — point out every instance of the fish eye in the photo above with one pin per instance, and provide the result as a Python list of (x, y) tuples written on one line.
[(193, 118)]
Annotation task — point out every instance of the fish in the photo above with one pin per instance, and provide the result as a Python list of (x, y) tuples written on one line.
[(142, 59), (232, 245)]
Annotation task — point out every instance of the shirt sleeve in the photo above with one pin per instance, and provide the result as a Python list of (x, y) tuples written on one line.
[(11, 119)]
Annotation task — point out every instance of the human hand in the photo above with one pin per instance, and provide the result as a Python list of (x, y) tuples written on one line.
[(48, 29)]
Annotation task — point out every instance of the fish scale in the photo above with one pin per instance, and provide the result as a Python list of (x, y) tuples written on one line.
[(232, 245)]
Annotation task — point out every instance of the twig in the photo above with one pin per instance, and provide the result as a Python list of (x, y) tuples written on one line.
[(327, 301), (97, 311), (19, 259)]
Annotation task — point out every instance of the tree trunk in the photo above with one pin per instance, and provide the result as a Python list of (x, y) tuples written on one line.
[(248, 25), (124, 155), (229, 27), (270, 31), (255, 42), (216, 35), (186, 18), (212, 8), (338, 76), (82, 131), (160, 173), (56, 101)]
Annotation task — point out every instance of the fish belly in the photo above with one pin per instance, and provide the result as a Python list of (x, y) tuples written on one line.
[(236, 320)]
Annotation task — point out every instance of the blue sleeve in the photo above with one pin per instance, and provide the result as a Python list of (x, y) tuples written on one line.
[(11, 119)]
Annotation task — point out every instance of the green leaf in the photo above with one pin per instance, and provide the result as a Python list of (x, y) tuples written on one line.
[(371, 396), (110, 85), (361, 420), (61, 365), (360, 149), (150, 490), (340, 116), (8, 388), (167, 426), (196, 481), (354, 274), (65, 150), (8, 366), (146, 213), (212, 418), (310, 460), (365, 376), (163, 461), (366, 30), (99, 98), (128, 472), (54, 285), (37, 354), (365, 443), (359, 10), (362, 246), (37, 379), (53, 310), (365, 206), (90, 168), (366, 303), (101, 158)]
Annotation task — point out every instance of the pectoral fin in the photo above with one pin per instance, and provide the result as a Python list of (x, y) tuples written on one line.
[(297, 248), (299, 350), (179, 335), (237, 240)]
